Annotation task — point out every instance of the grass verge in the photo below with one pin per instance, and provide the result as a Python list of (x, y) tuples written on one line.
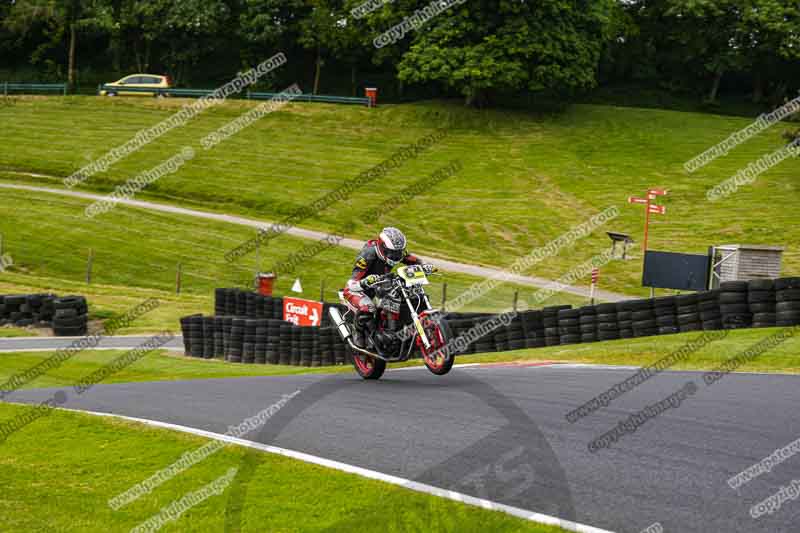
[(60, 471)]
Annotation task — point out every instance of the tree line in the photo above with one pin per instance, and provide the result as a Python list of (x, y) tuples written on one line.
[(475, 49)]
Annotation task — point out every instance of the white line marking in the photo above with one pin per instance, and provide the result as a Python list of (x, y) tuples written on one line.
[(371, 474)]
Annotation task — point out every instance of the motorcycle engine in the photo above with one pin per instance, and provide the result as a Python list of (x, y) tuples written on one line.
[(386, 342)]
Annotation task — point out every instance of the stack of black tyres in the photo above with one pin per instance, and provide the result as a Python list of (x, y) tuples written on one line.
[(708, 308), (666, 315), (219, 336), (220, 301), (588, 323), (688, 313), (192, 329), (569, 328), (208, 337), (607, 322), (643, 318), (515, 334), (297, 356), (787, 295), (277, 308), (227, 325), (42, 308), (625, 320), (761, 302), (268, 307), (70, 316), (249, 345), (12, 307), (261, 341), (326, 345), (340, 349), (235, 351), (500, 339), (533, 328), (459, 326), (241, 303), (285, 344), (550, 325), (307, 341), (733, 305), (273, 341), (485, 343), (230, 302)]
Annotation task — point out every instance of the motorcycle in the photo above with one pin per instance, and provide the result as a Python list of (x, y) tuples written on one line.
[(404, 321)]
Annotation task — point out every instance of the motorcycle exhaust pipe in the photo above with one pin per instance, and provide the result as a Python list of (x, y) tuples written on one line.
[(344, 331)]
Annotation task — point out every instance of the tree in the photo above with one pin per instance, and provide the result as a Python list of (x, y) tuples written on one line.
[(63, 16), (510, 45)]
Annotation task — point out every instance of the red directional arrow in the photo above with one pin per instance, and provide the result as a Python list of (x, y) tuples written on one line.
[(635, 200), (658, 209), (658, 192)]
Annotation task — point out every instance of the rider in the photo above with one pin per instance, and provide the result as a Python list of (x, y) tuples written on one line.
[(377, 258)]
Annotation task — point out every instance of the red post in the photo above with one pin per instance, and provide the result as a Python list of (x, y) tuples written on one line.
[(372, 94), (646, 222), (265, 282)]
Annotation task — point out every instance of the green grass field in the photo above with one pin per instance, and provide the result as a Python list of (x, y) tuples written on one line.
[(136, 255), (61, 470), (526, 177)]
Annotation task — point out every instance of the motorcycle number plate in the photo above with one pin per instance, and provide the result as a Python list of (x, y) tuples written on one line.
[(413, 275)]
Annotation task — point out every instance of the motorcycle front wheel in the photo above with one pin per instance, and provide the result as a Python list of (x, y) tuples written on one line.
[(437, 359), (368, 367)]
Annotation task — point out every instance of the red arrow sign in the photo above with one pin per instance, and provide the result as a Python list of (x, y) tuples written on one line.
[(302, 312), (658, 209), (659, 192), (635, 200)]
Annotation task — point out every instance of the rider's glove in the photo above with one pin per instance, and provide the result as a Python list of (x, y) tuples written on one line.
[(429, 269), (369, 281)]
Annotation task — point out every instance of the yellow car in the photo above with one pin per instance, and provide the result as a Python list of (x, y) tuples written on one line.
[(138, 81)]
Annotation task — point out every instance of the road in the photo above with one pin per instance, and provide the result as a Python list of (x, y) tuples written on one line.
[(499, 432), (444, 264)]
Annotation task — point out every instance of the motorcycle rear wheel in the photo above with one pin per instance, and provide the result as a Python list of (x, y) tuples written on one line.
[(439, 334), (368, 367)]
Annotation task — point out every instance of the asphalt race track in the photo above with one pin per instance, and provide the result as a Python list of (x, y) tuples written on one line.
[(499, 432)]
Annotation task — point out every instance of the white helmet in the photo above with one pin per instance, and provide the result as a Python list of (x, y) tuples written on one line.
[(391, 246)]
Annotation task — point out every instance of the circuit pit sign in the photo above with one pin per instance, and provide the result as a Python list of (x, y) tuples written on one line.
[(302, 312)]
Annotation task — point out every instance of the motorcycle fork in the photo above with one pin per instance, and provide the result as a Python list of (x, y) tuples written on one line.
[(417, 322)]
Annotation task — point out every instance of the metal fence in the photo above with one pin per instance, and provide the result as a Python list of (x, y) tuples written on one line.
[(27, 88)]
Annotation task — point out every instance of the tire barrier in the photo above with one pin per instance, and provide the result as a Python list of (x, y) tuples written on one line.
[(248, 327), (67, 315), (261, 341)]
